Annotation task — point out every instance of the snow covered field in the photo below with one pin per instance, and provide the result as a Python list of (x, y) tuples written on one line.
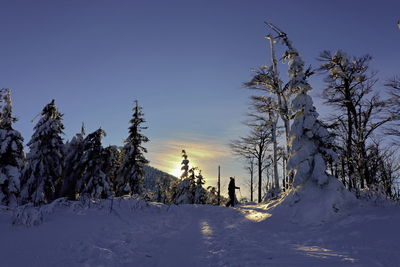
[(134, 233)]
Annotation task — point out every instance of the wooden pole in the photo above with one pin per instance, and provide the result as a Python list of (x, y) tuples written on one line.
[(219, 185), (251, 179)]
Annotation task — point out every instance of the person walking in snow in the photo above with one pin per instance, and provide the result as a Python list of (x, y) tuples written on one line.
[(231, 192)]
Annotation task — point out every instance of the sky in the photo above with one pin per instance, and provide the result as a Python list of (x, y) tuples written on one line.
[(184, 61)]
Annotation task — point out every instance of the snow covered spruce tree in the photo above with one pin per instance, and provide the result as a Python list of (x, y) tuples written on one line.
[(73, 153), (185, 165), (93, 182), (184, 190), (42, 177), (131, 174), (162, 190), (11, 153), (320, 195), (275, 100), (200, 194), (212, 196), (112, 159)]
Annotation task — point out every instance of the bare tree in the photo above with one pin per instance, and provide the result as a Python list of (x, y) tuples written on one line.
[(394, 108), (350, 88), (250, 168), (254, 145), (250, 165), (384, 167), (266, 113)]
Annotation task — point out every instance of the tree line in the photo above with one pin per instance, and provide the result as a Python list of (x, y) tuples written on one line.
[(82, 168)]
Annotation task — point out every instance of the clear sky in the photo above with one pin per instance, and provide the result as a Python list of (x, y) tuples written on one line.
[(185, 61)]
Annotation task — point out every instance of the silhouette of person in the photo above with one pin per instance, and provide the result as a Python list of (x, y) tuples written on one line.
[(231, 192)]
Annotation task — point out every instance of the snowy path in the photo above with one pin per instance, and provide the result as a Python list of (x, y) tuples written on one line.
[(190, 235)]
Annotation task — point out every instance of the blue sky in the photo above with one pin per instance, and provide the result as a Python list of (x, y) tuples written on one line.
[(185, 61)]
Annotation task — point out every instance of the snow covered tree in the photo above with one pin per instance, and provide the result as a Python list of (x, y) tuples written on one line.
[(274, 102), (112, 160), (132, 173), (310, 145), (11, 152), (310, 141), (184, 190), (45, 160), (93, 183), (200, 194), (212, 196), (185, 165), (162, 190), (72, 169)]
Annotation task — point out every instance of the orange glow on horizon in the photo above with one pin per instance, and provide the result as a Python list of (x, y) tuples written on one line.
[(206, 156), (175, 169)]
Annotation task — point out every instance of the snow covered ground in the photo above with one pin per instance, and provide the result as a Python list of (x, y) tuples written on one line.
[(134, 233)]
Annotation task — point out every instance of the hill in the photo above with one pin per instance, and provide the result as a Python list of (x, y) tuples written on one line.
[(152, 174)]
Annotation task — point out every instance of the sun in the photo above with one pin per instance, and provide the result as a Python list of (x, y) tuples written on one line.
[(176, 171)]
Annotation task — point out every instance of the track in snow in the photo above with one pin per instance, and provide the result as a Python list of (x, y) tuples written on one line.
[(195, 235)]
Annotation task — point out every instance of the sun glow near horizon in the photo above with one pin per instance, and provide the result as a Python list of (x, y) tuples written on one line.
[(204, 152), (175, 167), (167, 156), (177, 171)]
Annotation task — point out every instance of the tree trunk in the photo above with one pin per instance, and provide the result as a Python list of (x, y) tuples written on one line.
[(344, 173), (251, 180), (283, 108), (336, 170), (275, 151), (219, 185), (259, 178), (349, 150), (284, 172)]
